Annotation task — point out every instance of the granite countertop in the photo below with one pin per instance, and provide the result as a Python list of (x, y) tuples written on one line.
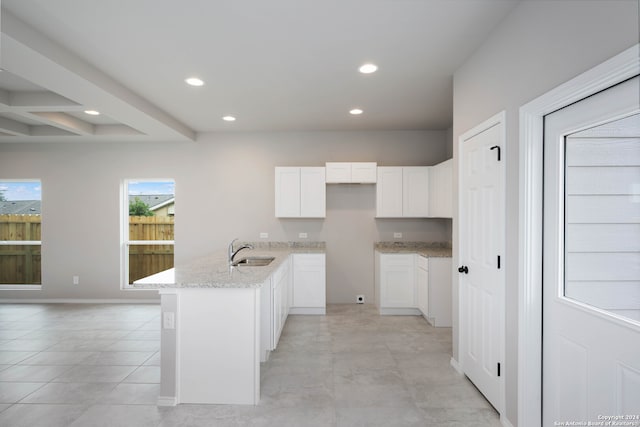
[(213, 271), (426, 249)]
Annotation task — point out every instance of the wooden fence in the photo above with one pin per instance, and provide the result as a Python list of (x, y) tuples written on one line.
[(20, 264), (145, 260)]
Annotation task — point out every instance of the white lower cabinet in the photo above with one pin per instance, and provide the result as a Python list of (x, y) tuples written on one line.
[(396, 284), (309, 284), (274, 308), (296, 287), (281, 289), (411, 284)]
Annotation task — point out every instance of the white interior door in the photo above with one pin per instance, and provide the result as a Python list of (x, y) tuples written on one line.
[(591, 259), (481, 285)]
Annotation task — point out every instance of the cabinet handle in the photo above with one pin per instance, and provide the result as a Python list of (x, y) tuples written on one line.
[(464, 269)]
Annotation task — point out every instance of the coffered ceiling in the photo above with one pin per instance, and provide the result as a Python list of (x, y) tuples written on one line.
[(275, 65)]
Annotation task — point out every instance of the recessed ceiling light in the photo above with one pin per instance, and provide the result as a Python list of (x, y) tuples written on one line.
[(356, 111), (194, 81), (368, 68), (229, 119), (92, 112)]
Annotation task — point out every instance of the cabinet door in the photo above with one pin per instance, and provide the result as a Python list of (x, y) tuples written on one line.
[(313, 188), (364, 172), (287, 189), (415, 189), (435, 204), (309, 282), (397, 281), (266, 319), (422, 278), (441, 190), (446, 189), (277, 313), (389, 192), (338, 172)]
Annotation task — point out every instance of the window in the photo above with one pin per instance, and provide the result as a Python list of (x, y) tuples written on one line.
[(148, 224), (602, 217), (20, 231)]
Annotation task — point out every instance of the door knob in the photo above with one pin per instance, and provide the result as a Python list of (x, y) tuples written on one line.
[(464, 269)]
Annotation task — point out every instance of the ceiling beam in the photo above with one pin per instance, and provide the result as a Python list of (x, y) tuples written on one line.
[(14, 127), (50, 131), (42, 101), (115, 130), (34, 57), (66, 122), (4, 98)]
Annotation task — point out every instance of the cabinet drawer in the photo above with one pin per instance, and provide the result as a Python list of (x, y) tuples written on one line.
[(423, 262)]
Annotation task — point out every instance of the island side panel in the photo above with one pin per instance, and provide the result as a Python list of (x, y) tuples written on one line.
[(168, 305), (218, 346)]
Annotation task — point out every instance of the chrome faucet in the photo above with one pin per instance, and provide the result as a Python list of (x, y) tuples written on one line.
[(232, 253)]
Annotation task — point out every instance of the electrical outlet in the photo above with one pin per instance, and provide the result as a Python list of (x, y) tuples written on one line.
[(397, 235), (302, 235), (76, 280), (264, 235), (168, 320), (360, 299)]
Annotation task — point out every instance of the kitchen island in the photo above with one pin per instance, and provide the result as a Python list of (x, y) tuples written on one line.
[(213, 328)]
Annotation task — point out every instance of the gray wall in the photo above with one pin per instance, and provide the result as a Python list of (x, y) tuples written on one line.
[(224, 189), (540, 45)]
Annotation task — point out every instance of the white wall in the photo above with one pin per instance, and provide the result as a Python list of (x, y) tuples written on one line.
[(224, 189), (540, 45)]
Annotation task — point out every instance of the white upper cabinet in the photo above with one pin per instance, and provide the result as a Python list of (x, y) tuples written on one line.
[(441, 190), (300, 192), (313, 193), (402, 192), (364, 172), (415, 191), (287, 192), (346, 173), (389, 192)]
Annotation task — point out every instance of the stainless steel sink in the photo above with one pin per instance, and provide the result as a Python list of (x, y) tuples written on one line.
[(253, 261)]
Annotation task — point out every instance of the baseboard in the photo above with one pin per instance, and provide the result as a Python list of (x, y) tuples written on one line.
[(167, 401), (386, 311), (79, 301), (456, 366), (321, 311)]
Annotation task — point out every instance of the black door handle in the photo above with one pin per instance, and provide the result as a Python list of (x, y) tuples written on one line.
[(464, 269)]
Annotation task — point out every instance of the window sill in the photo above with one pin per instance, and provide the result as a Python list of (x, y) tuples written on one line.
[(21, 287)]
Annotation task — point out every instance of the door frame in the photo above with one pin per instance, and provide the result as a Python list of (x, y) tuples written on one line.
[(611, 72), (497, 119)]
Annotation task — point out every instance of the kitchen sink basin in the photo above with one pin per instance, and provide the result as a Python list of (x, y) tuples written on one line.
[(253, 261)]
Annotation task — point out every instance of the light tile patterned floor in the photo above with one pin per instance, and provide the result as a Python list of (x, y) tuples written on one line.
[(98, 365)]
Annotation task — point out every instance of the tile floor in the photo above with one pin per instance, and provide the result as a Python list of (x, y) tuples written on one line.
[(98, 365)]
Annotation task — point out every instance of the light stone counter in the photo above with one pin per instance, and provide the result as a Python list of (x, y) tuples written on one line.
[(213, 271), (426, 249)]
